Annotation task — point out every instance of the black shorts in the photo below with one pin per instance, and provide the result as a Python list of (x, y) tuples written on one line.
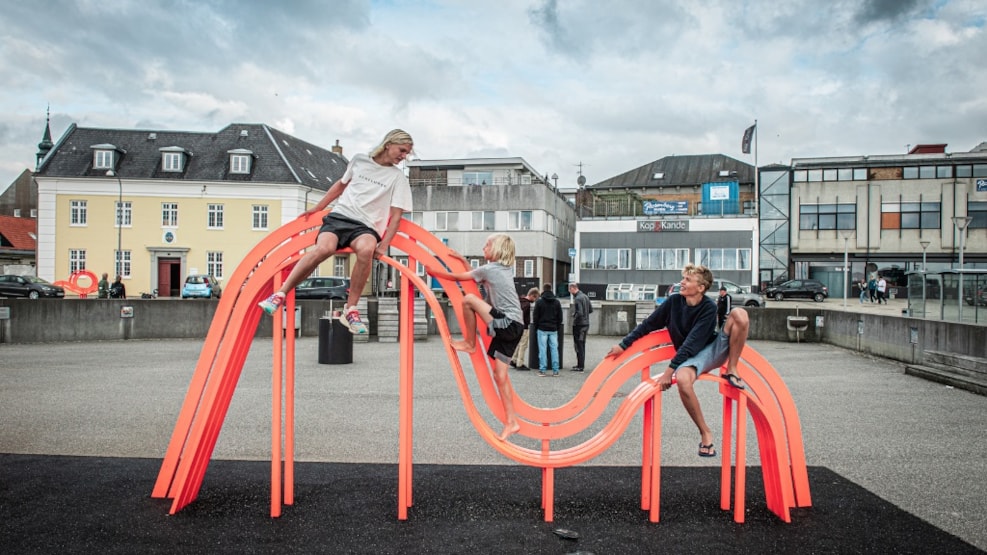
[(504, 342), (345, 229)]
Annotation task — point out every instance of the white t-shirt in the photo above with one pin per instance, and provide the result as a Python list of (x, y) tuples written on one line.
[(882, 285), (371, 192)]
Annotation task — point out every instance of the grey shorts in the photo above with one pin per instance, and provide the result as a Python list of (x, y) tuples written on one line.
[(711, 357)]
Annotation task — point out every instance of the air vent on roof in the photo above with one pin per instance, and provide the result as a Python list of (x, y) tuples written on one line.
[(243, 133), (152, 136)]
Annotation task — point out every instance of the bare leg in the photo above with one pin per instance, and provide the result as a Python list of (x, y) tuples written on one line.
[(363, 247), (686, 376), (473, 308), (325, 246), (737, 326), (506, 391)]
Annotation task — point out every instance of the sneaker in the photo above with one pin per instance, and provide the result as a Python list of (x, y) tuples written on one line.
[(272, 303), (351, 319), (541, 374), (555, 374)]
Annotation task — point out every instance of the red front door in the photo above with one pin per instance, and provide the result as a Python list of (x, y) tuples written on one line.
[(169, 277)]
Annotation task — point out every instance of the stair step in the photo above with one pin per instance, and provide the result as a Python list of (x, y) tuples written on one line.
[(948, 377), (966, 362)]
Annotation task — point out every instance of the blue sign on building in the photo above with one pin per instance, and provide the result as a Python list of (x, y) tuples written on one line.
[(721, 197), (981, 185), (663, 207)]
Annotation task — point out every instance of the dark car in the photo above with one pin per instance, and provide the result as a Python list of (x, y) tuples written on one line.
[(28, 286), (328, 287), (798, 289), (979, 297)]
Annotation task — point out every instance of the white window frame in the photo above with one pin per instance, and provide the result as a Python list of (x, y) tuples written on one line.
[(720, 259), (599, 259), (78, 213), (169, 214), (125, 212), (214, 264), (661, 259), (447, 221), (123, 272), (516, 219), (529, 268), (214, 216), (102, 159), (482, 220), (77, 260), (341, 266), (240, 163), (259, 219), (171, 161)]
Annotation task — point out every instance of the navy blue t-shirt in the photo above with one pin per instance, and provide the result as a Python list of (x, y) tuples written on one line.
[(690, 327)]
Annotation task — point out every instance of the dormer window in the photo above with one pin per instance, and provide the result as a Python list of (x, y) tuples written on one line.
[(173, 159), (104, 156), (240, 160)]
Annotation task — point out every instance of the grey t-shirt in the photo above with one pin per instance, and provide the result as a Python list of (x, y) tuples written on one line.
[(498, 281)]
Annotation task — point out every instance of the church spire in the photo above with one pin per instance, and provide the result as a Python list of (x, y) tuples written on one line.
[(45, 145)]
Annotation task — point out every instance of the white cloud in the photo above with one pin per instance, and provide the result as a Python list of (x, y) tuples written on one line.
[(610, 85)]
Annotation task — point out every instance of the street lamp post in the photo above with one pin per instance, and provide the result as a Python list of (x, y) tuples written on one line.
[(555, 235), (118, 259), (846, 263), (925, 246), (961, 222), (119, 217)]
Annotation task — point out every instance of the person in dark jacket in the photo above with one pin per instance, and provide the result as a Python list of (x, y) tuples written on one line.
[(581, 309), (519, 360), (547, 318), (117, 289), (723, 305), (690, 317)]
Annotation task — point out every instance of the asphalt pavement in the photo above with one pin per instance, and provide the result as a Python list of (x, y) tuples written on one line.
[(916, 444)]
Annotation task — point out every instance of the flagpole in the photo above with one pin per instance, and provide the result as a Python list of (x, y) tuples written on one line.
[(757, 190)]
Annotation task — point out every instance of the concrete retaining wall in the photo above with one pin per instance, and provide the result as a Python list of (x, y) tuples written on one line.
[(893, 337)]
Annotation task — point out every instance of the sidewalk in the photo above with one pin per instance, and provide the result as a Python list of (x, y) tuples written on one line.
[(915, 444)]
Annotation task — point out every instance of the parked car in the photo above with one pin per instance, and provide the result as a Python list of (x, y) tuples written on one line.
[(327, 287), (28, 286), (980, 295), (737, 293), (202, 286), (798, 289)]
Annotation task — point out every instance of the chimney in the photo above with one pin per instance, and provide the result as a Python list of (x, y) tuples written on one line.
[(336, 149)]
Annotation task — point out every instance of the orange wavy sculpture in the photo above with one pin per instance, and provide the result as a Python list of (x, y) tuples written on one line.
[(766, 398), (73, 283)]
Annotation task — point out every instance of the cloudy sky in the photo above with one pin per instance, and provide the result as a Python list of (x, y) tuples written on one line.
[(610, 85)]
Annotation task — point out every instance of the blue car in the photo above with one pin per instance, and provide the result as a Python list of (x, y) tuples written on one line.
[(201, 286)]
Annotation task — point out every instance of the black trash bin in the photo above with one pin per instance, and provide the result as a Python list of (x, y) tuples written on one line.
[(335, 342)]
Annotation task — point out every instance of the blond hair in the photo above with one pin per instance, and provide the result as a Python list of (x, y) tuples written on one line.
[(702, 272), (502, 248), (395, 137)]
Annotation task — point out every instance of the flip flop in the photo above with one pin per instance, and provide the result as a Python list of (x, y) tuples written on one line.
[(566, 533), (706, 450), (734, 381)]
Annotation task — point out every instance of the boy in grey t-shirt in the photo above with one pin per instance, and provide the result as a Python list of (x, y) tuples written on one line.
[(501, 312)]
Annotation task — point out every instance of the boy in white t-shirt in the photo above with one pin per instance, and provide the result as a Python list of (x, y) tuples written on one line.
[(373, 194)]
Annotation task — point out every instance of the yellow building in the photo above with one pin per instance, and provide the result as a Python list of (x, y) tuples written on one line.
[(156, 206)]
